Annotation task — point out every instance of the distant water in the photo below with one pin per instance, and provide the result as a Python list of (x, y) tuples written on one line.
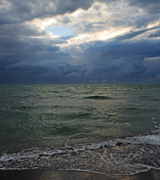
[(111, 129)]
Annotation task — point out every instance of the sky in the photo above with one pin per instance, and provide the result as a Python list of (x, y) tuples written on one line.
[(79, 41)]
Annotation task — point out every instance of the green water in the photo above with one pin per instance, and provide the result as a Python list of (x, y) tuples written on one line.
[(58, 116)]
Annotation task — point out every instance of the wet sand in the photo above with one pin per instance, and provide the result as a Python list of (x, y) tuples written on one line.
[(71, 175)]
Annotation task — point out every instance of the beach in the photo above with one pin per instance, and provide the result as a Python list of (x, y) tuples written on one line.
[(89, 131), (72, 175)]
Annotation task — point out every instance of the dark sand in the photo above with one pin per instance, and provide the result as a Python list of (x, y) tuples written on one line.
[(71, 175)]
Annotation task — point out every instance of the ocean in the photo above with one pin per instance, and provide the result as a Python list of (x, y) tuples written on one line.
[(106, 129)]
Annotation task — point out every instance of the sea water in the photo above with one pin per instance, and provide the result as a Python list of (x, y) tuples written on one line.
[(109, 129)]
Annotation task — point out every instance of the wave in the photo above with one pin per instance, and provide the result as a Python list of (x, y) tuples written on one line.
[(128, 155), (155, 99), (78, 115), (137, 110), (98, 97)]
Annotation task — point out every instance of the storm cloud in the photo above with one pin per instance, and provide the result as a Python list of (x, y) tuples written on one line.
[(111, 41), (16, 11)]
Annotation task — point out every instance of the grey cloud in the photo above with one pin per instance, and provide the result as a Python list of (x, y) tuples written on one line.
[(119, 58), (66, 19), (144, 20), (123, 67), (17, 44), (107, 60), (133, 34), (151, 6), (20, 11), (129, 16), (26, 49), (16, 30), (67, 37), (153, 72), (40, 58), (155, 34), (147, 48)]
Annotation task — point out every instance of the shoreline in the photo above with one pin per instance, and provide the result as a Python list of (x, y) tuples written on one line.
[(38, 174)]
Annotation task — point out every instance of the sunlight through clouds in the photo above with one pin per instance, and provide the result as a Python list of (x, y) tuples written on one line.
[(87, 38)]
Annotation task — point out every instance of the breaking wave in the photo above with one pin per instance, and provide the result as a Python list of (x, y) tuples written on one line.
[(128, 155)]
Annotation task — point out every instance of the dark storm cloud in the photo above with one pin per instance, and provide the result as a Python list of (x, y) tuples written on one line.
[(15, 49), (102, 60), (150, 6), (23, 41), (120, 58), (19, 11), (106, 60), (150, 11), (155, 34), (117, 49), (15, 36), (27, 52), (17, 30), (16, 11)]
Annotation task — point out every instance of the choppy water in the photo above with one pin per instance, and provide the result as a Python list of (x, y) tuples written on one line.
[(111, 129)]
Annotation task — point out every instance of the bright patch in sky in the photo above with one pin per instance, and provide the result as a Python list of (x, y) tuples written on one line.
[(62, 30)]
